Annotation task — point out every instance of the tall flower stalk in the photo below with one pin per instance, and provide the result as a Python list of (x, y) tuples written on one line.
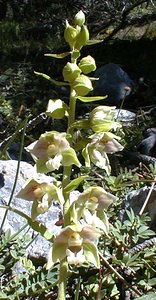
[(85, 218)]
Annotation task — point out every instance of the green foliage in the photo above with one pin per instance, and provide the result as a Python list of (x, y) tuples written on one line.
[(132, 230), (9, 32), (20, 278)]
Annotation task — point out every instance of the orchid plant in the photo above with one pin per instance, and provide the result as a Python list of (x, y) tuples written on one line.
[(84, 219)]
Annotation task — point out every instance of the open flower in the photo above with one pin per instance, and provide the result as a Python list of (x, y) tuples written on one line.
[(42, 193), (95, 198), (51, 150), (95, 151), (90, 206), (78, 243)]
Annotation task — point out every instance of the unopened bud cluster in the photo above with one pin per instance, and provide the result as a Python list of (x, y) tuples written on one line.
[(78, 35)]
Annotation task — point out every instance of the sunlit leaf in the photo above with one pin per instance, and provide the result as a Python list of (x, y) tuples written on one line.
[(37, 226), (50, 79), (74, 184), (93, 42), (61, 55), (91, 99)]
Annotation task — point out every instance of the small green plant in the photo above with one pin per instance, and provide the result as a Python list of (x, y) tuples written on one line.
[(85, 219), (89, 253)]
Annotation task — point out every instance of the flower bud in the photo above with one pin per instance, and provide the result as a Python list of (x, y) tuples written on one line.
[(102, 119), (56, 109), (82, 85), (70, 72), (102, 112), (70, 34), (79, 18), (82, 38), (87, 64)]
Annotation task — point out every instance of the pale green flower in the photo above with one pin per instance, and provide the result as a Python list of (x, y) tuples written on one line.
[(96, 151), (90, 206), (42, 193), (51, 151), (78, 243)]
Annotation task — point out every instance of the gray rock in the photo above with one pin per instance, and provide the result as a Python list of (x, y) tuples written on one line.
[(136, 199), (40, 247), (114, 82), (126, 117), (148, 144)]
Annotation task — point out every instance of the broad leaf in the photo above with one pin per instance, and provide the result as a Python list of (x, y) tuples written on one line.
[(74, 184)]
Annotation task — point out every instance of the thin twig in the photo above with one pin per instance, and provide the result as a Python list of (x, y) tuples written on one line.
[(119, 276), (147, 198)]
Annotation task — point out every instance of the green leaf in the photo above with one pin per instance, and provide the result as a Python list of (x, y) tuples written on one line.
[(50, 79), (2, 268), (130, 215), (14, 254), (61, 55), (37, 226), (149, 296), (93, 42), (8, 234), (4, 296), (91, 99), (152, 281), (74, 184)]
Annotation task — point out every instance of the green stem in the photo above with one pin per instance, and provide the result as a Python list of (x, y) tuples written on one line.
[(62, 280), (67, 170), (72, 107)]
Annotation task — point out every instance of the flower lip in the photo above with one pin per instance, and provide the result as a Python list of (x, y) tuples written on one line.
[(75, 258), (75, 240)]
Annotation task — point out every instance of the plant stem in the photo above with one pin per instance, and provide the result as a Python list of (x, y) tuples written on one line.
[(62, 280), (72, 107), (67, 170)]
